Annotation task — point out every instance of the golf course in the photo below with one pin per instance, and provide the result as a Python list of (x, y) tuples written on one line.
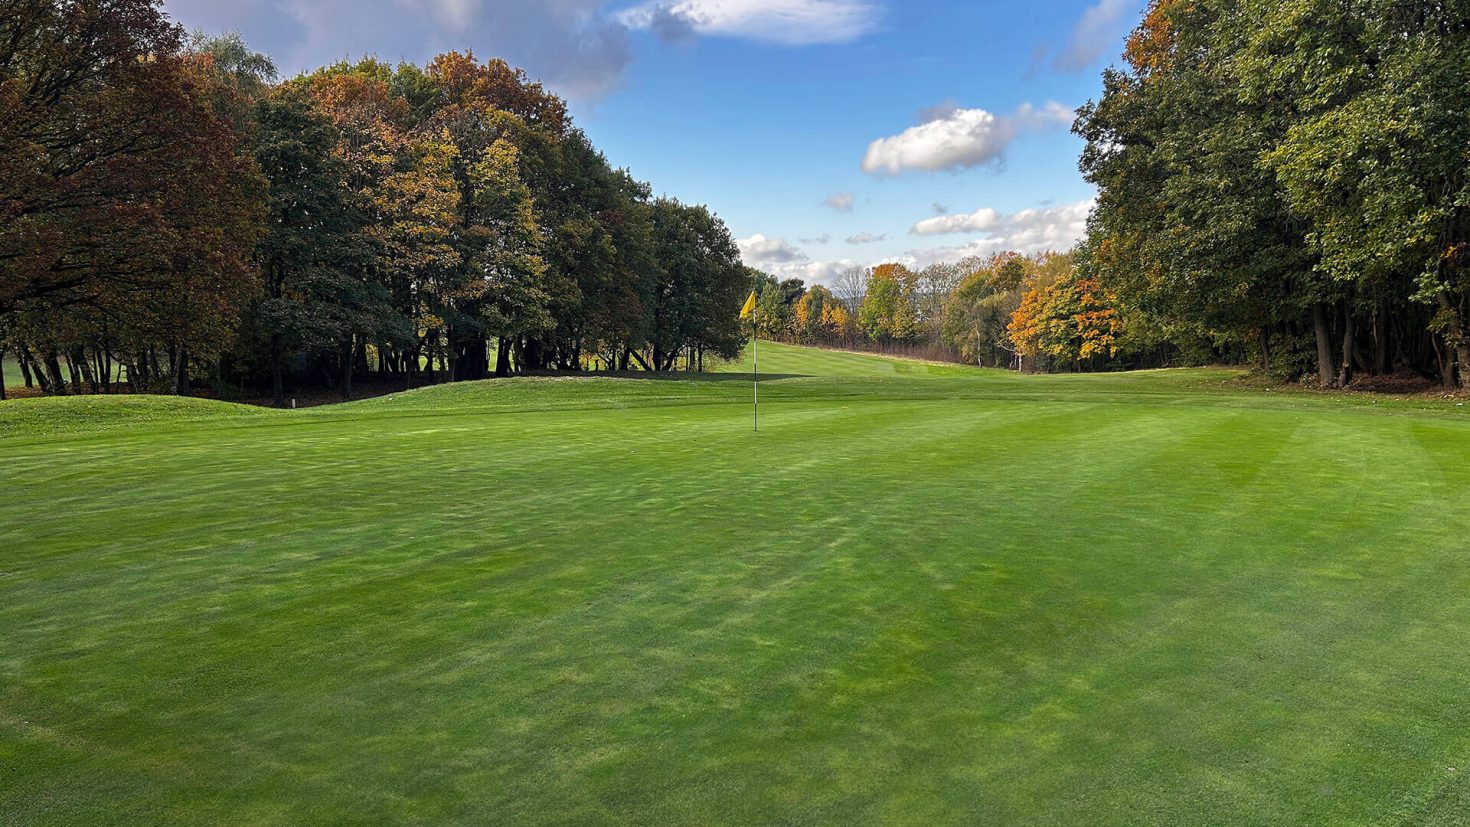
[(922, 594)]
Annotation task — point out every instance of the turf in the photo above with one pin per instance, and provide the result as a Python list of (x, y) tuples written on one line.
[(922, 594), (11, 369)]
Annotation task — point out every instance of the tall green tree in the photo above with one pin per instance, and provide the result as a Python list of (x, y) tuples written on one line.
[(315, 254)]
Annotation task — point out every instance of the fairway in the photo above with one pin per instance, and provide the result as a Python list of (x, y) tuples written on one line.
[(922, 594)]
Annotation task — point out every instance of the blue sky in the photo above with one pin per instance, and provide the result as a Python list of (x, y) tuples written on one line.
[(826, 133)]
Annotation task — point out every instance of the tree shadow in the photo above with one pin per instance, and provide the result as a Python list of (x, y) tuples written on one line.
[(673, 376), (721, 377)]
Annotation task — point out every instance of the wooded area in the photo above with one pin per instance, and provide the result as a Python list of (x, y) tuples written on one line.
[(166, 205), (1291, 178)]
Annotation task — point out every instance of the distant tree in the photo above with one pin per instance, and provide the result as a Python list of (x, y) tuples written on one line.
[(1066, 317), (978, 313), (247, 73), (417, 220), (888, 313), (852, 287), (809, 319)]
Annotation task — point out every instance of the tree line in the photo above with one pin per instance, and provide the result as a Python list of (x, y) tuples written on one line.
[(1040, 312), (1290, 179), (172, 213)]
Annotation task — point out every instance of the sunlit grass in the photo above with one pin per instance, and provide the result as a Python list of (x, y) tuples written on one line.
[(923, 594)]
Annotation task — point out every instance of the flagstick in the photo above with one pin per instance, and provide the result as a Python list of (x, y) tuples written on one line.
[(755, 360)]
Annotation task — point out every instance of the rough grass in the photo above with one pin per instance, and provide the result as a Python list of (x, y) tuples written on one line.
[(923, 594)]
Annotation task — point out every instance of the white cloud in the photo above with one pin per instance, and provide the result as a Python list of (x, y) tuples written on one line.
[(815, 272), (959, 138), (841, 201), (824, 238), (579, 48), (762, 253), (866, 238), (573, 46), (1027, 231), (455, 14), (780, 259), (790, 22), (979, 221), (1099, 29)]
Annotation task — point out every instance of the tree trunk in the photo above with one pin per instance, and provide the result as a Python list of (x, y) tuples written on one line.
[(1380, 339), (2, 374), (1324, 345), (38, 366), (23, 356), (533, 355), (53, 367), (452, 370), (502, 357), (638, 357), (278, 383), (1265, 349), (1459, 346), (1345, 372), (181, 374), (344, 383), (74, 373), (1445, 360), (80, 365)]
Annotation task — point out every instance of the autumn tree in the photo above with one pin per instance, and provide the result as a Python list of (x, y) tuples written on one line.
[(978, 313), (169, 207), (888, 313), (126, 206), (1070, 321)]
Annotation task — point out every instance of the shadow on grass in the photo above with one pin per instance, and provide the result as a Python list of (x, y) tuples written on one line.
[(668, 376)]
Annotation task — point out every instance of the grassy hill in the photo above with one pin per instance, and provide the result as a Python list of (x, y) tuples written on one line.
[(922, 594)]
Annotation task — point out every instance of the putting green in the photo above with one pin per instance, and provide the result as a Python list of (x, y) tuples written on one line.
[(922, 594)]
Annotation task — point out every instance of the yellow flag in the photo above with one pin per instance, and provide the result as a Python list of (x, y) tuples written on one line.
[(749, 309)]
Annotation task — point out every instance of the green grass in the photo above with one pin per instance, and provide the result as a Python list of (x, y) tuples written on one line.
[(11, 368), (922, 594)]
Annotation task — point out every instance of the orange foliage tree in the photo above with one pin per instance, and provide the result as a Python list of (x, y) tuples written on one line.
[(1070, 320)]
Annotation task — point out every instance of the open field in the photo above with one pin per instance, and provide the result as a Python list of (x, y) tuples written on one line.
[(922, 594)]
